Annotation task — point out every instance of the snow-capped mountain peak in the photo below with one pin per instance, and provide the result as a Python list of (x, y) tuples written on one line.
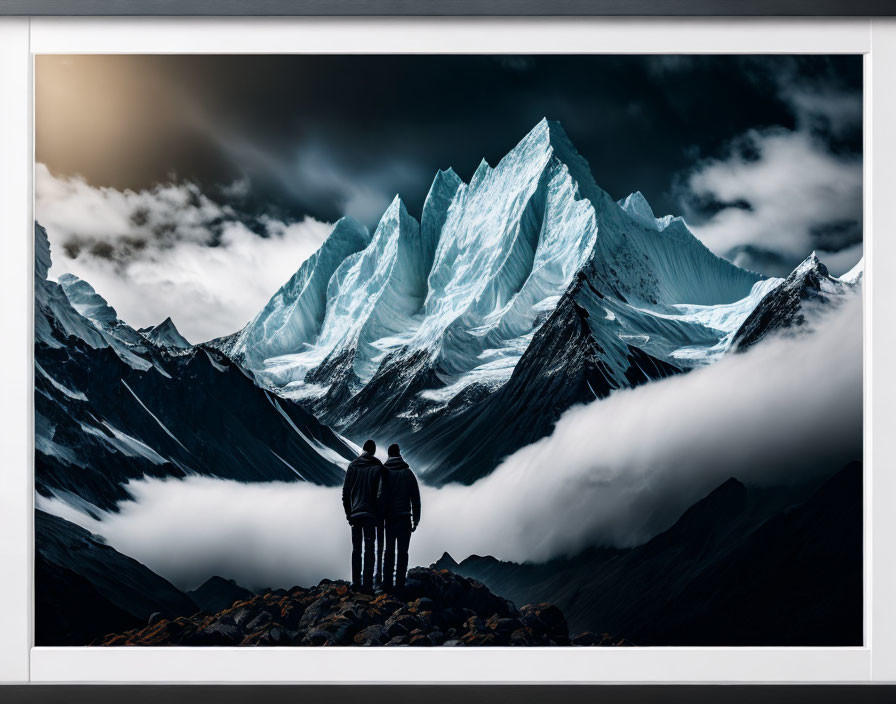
[(856, 274), (636, 205), (166, 334), (808, 264), (72, 308), (793, 303)]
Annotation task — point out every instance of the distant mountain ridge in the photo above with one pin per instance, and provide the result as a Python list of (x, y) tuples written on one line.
[(111, 405), (85, 589)]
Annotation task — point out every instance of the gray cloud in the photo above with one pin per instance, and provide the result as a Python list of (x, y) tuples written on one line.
[(323, 172), (614, 472), (778, 193), (362, 192)]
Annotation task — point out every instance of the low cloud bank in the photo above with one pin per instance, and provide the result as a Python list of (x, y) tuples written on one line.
[(614, 472)]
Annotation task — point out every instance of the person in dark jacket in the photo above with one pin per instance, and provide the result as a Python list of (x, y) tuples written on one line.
[(400, 498), (361, 499)]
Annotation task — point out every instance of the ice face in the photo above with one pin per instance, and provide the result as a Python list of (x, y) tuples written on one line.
[(52, 307), (378, 293), (516, 237), (87, 301), (372, 300), (293, 317), (435, 210), (513, 240)]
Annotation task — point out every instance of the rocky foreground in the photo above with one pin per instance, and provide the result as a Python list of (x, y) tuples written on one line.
[(436, 608)]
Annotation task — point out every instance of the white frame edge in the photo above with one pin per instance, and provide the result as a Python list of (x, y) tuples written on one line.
[(880, 164), (20, 37), (16, 380), (450, 665)]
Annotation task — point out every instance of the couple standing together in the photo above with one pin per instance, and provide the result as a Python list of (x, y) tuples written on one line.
[(382, 505)]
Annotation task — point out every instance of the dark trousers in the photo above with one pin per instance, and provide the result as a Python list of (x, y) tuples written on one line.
[(380, 542), (398, 538), (363, 532)]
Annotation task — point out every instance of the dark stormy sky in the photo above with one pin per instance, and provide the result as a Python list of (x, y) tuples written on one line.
[(151, 156)]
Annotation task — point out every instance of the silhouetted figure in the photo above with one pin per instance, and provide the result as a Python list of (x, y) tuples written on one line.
[(361, 497), (401, 509)]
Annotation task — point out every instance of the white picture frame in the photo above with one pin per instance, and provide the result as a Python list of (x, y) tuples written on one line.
[(22, 37)]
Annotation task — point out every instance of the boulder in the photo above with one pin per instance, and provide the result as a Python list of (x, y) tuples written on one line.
[(318, 610), (316, 637), (548, 620), (259, 622), (586, 638), (371, 635), (521, 637), (216, 633)]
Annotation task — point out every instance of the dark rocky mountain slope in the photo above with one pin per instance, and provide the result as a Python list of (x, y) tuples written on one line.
[(733, 570), (217, 593), (85, 589), (787, 307)]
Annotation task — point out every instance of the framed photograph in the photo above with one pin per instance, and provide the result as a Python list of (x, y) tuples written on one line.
[(447, 349)]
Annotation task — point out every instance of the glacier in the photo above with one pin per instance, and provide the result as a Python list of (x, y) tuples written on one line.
[(294, 315)]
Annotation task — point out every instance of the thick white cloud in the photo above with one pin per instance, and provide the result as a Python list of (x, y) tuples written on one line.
[(169, 251), (802, 193), (792, 186), (614, 472)]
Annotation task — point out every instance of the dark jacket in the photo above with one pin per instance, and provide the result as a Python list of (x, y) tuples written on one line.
[(400, 492), (361, 490)]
